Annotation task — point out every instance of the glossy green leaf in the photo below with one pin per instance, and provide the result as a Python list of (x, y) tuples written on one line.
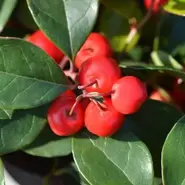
[(109, 160), (68, 24), (126, 8), (117, 36), (175, 7), (47, 144), (29, 77), (22, 129), (151, 124), (161, 58), (6, 113), (2, 181), (6, 9), (173, 155)]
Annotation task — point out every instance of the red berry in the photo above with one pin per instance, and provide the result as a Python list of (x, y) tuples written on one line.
[(156, 6), (85, 102), (95, 45), (59, 119), (68, 94), (129, 93), (103, 122), (39, 39), (178, 92), (102, 70)]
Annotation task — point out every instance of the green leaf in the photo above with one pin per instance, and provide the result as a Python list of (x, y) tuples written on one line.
[(157, 181), (6, 9), (151, 124), (6, 113), (22, 129), (117, 36), (29, 77), (109, 160), (146, 71), (175, 7), (126, 8), (173, 155), (2, 181), (161, 58), (47, 144), (69, 24)]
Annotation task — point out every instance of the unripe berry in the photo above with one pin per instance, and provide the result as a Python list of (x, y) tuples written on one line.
[(129, 93), (95, 45), (103, 121), (101, 70), (39, 39)]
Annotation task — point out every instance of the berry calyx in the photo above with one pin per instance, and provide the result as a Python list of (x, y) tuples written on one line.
[(129, 94), (95, 45), (98, 74), (103, 121), (156, 6), (61, 122), (39, 39)]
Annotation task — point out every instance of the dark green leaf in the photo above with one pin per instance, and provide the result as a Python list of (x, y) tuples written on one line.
[(71, 175), (108, 160), (117, 36), (6, 9), (126, 8), (68, 24), (169, 35), (29, 77), (2, 181), (6, 113), (48, 144), (161, 58), (22, 129), (24, 16), (151, 124), (175, 7), (173, 155), (147, 71)]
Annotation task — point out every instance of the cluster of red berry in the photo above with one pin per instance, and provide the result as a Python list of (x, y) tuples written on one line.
[(106, 96)]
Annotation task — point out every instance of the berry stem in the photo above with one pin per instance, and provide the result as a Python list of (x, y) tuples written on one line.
[(81, 87), (63, 62), (78, 99), (71, 67)]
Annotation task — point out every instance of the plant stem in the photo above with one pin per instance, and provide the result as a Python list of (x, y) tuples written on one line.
[(138, 27)]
